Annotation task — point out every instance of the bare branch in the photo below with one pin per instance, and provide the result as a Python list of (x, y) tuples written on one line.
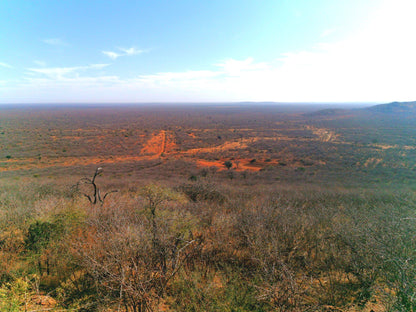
[(95, 197)]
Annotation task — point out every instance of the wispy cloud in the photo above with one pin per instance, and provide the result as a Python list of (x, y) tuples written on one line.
[(131, 51), (55, 72), (62, 72), (55, 42), (5, 65), (111, 54), (124, 52)]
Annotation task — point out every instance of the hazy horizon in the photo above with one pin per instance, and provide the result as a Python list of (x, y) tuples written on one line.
[(197, 104)]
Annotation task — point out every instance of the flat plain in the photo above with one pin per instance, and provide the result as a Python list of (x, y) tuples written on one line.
[(220, 207), (284, 141)]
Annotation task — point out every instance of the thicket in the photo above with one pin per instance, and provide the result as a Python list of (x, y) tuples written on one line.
[(207, 246)]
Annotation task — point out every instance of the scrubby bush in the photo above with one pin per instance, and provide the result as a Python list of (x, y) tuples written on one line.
[(205, 245), (200, 191)]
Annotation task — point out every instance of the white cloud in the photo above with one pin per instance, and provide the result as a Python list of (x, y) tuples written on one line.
[(5, 65), (125, 52), (55, 42), (131, 51), (111, 54)]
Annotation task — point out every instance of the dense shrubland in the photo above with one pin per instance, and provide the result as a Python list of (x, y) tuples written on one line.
[(207, 245)]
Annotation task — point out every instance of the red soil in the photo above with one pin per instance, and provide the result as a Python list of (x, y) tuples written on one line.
[(159, 145)]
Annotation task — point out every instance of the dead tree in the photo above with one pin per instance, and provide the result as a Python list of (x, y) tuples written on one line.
[(95, 197)]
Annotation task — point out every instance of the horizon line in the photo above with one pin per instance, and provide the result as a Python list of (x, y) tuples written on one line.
[(200, 103)]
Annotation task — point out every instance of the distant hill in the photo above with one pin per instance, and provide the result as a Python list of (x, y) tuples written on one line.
[(394, 108), (398, 109)]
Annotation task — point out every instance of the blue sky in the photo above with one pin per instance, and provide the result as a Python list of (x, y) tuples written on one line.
[(207, 51)]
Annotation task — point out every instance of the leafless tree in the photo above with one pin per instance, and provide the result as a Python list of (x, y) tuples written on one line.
[(132, 259), (95, 196)]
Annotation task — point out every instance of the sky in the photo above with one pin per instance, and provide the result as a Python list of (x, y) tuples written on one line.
[(106, 51)]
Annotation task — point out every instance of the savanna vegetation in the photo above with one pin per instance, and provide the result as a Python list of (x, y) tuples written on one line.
[(240, 208)]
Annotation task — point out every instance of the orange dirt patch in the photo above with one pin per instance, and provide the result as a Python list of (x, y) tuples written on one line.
[(155, 145), (170, 144), (159, 144), (209, 163), (67, 137)]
